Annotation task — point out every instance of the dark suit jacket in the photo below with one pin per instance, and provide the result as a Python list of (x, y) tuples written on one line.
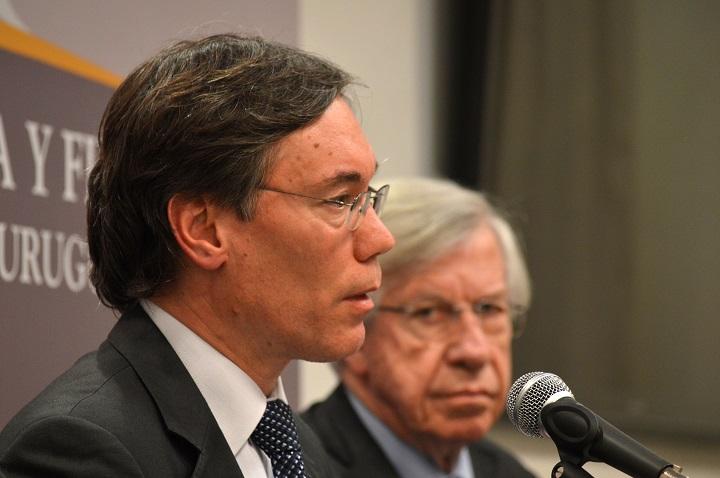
[(129, 409), (357, 455)]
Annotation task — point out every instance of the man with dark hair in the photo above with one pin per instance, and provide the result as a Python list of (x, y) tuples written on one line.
[(231, 223)]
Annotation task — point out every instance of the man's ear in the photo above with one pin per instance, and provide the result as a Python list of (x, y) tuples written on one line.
[(194, 224)]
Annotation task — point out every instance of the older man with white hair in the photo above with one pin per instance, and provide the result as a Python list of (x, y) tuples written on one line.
[(431, 379)]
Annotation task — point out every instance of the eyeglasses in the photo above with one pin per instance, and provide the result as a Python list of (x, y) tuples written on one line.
[(441, 321), (356, 209)]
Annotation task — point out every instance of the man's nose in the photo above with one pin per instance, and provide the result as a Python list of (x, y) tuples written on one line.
[(470, 347), (372, 238)]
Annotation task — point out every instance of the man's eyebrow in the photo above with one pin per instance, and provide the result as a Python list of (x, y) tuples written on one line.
[(494, 296), (343, 177)]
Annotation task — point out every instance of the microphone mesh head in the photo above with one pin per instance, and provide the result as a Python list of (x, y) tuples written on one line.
[(527, 397)]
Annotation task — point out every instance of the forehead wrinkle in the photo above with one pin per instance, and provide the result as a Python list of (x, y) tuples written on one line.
[(430, 297), (451, 287)]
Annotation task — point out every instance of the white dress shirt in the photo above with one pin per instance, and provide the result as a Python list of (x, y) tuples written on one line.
[(235, 400)]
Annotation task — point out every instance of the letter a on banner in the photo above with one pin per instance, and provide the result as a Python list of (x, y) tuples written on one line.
[(7, 181)]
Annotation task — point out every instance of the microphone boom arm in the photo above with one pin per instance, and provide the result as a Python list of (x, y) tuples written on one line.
[(582, 436)]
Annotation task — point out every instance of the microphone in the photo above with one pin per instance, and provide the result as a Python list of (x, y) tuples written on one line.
[(541, 404)]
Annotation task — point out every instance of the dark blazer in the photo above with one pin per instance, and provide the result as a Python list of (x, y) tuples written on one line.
[(130, 409), (357, 455)]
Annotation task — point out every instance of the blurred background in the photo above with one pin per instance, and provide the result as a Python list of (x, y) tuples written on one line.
[(593, 123)]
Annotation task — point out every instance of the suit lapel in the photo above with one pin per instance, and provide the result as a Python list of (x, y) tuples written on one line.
[(216, 459), (347, 440), (181, 404), (487, 460), (314, 455), (483, 464)]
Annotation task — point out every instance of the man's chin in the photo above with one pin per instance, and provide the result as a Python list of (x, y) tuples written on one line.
[(464, 431), (336, 348)]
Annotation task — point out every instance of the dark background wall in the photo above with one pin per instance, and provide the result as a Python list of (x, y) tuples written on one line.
[(600, 133)]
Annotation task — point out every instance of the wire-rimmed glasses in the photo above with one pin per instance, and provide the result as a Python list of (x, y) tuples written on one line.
[(357, 208), (441, 320)]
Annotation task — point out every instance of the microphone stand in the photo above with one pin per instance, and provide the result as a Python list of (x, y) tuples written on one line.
[(672, 472), (566, 469)]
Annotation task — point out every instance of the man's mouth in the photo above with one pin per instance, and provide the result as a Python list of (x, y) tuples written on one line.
[(362, 300), (466, 394)]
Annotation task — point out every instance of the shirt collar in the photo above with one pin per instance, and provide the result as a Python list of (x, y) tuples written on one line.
[(235, 400), (407, 460)]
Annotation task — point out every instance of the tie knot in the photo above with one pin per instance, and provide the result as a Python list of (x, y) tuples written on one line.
[(277, 436)]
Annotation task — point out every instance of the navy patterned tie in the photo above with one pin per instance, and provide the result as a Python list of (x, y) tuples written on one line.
[(277, 437)]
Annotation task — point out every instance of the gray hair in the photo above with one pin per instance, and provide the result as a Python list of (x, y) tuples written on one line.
[(428, 217)]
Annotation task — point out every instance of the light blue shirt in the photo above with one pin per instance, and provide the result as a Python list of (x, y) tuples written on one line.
[(408, 461)]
